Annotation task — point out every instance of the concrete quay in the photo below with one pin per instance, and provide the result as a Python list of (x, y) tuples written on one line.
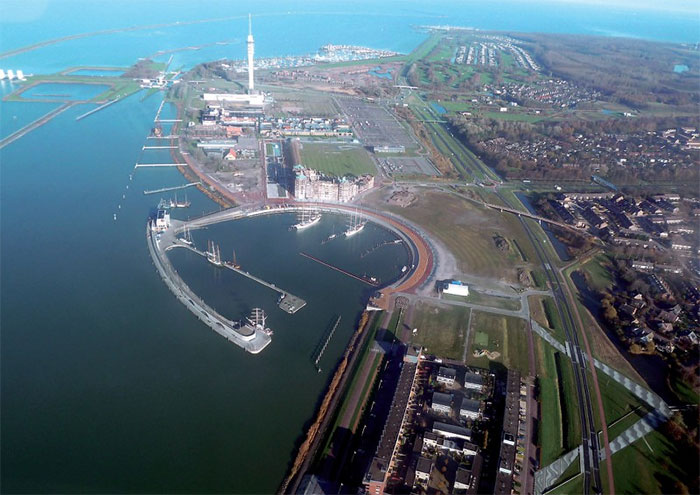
[(157, 245), (288, 302)]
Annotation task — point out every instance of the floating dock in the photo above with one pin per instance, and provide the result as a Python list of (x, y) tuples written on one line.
[(252, 341), (94, 110), (322, 349), (344, 272), (287, 302), (174, 188)]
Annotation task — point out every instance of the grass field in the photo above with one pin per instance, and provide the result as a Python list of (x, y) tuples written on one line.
[(617, 400), (572, 471), (513, 116), (456, 106), (354, 382), (650, 465), (338, 160), (503, 334), (552, 318), (423, 49), (599, 274), (118, 86), (467, 231), (549, 433), (559, 428), (487, 300), (442, 329), (569, 405)]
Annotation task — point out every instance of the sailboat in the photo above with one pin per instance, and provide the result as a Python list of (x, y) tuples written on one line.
[(233, 264), (188, 237), (356, 225), (213, 254), (308, 219)]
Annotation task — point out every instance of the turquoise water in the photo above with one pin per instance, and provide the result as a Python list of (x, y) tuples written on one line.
[(680, 68), (438, 108), (383, 75), (97, 72), (386, 25), (17, 114), (64, 91)]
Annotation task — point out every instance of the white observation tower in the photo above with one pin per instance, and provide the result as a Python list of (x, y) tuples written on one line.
[(251, 52)]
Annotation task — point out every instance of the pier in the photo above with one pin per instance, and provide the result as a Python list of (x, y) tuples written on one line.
[(170, 136), (288, 302), (253, 343), (174, 188), (338, 269), (382, 244), (322, 349), (94, 110), (151, 165), (159, 147), (33, 125)]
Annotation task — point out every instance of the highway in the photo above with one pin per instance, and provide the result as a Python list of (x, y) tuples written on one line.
[(589, 438)]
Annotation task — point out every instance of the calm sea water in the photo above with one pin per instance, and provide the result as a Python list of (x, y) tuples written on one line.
[(296, 27), (108, 383)]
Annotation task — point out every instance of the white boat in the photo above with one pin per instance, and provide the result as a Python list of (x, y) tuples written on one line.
[(213, 254), (354, 229), (356, 225), (188, 237), (307, 220)]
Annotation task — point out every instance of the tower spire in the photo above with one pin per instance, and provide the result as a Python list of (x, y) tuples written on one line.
[(251, 52)]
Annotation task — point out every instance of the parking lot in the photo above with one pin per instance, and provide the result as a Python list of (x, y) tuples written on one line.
[(373, 124), (408, 166)]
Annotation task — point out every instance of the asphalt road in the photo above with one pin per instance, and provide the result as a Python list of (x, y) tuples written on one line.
[(589, 439)]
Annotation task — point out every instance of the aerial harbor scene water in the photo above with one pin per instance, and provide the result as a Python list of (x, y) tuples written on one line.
[(314, 247)]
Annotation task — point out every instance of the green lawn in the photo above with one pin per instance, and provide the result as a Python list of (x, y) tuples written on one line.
[(513, 116), (467, 230), (652, 464), (617, 400), (573, 470), (506, 335), (553, 319), (599, 274), (442, 329), (549, 433), (338, 160), (424, 49), (456, 106), (481, 339), (487, 300), (374, 326), (569, 403), (118, 86), (559, 428)]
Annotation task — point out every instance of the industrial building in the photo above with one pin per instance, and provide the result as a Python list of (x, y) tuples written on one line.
[(456, 288)]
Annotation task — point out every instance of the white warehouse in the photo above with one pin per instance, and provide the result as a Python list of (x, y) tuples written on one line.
[(456, 288)]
